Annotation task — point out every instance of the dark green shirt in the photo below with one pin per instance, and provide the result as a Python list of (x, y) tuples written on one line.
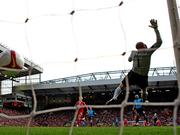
[(142, 57)]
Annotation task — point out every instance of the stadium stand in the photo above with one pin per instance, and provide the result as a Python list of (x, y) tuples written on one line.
[(97, 88), (103, 117)]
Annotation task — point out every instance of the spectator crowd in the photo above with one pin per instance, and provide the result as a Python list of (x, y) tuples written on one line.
[(102, 117)]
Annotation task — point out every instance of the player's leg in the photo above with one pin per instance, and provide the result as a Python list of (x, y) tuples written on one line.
[(117, 92), (79, 119), (155, 121), (142, 82), (78, 122), (144, 95), (143, 113), (91, 121), (122, 86), (137, 119)]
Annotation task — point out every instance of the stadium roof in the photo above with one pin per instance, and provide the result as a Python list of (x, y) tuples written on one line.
[(36, 69), (163, 77), (165, 72)]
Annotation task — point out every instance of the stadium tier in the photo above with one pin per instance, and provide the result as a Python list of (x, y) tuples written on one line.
[(98, 87)]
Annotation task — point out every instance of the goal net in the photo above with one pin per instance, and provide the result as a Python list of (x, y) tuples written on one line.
[(87, 43)]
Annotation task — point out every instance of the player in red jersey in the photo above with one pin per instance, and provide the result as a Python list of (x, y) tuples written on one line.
[(125, 122), (80, 111), (158, 122)]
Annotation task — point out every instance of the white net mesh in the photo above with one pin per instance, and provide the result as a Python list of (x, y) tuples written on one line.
[(75, 37)]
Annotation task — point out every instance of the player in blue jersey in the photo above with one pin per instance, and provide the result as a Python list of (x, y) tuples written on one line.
[(138, 109), (141, 58), (91, 114)]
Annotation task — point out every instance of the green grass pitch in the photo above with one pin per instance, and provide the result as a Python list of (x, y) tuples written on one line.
[(88, 131)]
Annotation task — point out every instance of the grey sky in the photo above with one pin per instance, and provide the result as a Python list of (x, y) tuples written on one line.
[(97, 33)]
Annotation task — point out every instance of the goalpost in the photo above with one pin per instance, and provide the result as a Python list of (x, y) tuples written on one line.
[(175, 29)]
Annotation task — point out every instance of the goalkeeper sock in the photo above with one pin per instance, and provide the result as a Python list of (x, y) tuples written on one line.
[(117, 91)]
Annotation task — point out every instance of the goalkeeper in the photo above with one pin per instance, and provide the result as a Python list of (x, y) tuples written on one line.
[(141, 58)]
